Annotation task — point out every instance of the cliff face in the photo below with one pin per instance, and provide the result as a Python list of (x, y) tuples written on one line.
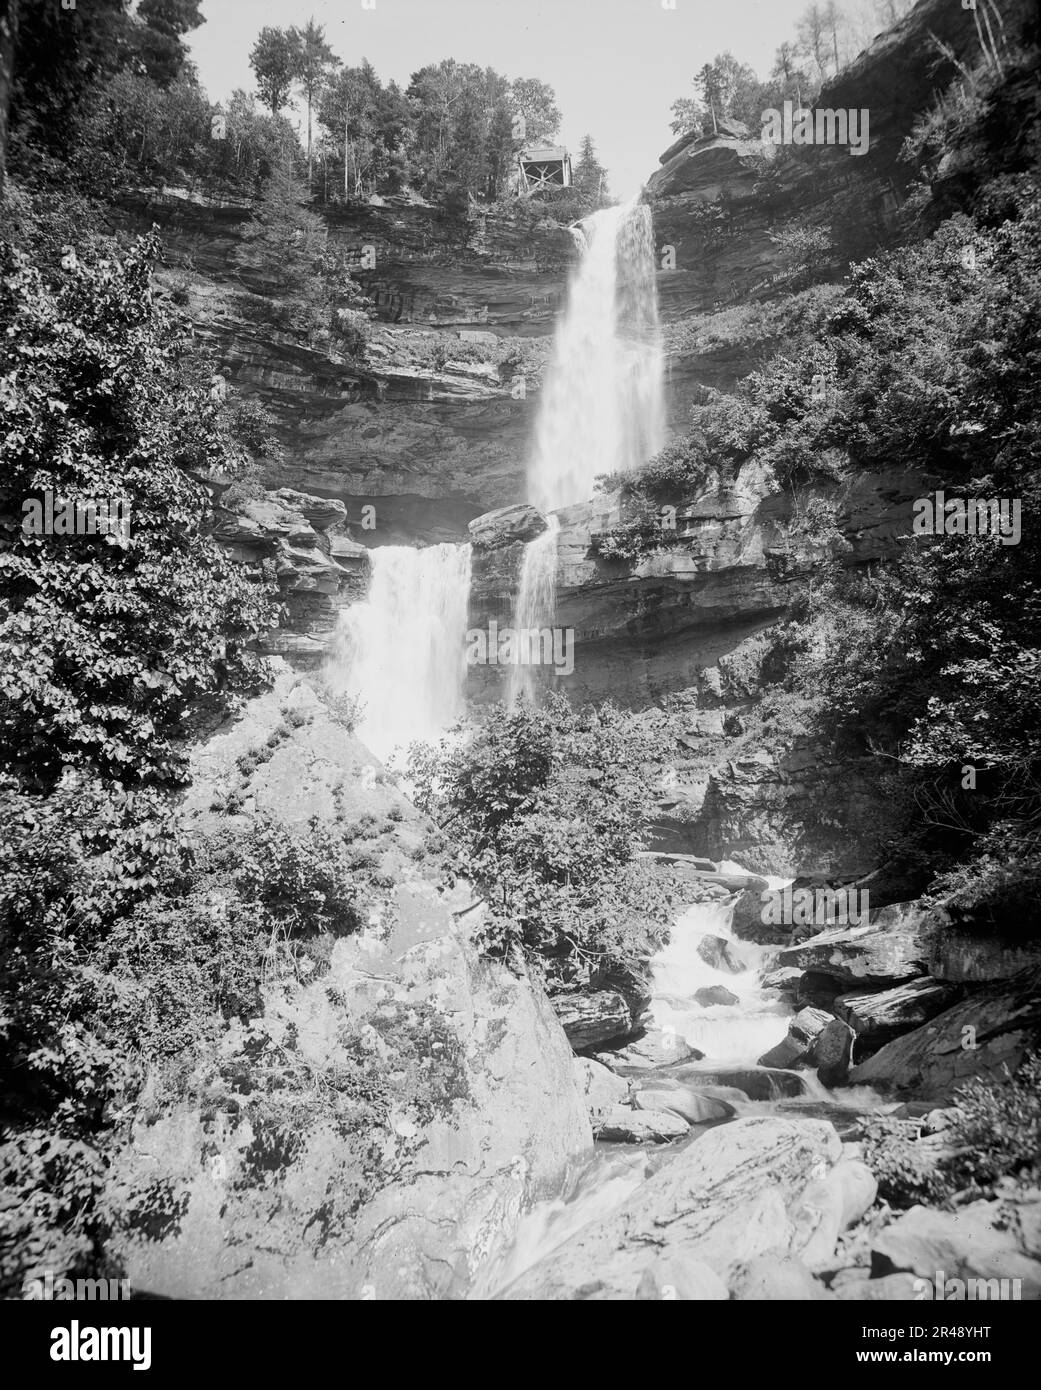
[(266, 1162), (643, 631), (730, 261), (431, 428), (433, 431), (764, 186)]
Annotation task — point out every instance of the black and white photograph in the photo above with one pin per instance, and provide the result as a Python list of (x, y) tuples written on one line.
[(520, 672)]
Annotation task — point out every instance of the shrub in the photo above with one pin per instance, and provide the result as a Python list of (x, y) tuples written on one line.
[(906, 1171), (546, 808), (110, 644), (301, 880), (994, 1132), (998, 1128)]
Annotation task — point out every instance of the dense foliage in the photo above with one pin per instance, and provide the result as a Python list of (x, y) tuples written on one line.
[(547, 807), (112, 646), (827, 37), (993, 1132), (109, 639)]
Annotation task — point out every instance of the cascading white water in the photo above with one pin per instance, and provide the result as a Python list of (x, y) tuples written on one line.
[(730, 1035), (739, 1032), (402, 650), (602, 407), (534, 604)]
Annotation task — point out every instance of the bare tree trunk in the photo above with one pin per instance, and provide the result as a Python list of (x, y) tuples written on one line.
[(310, 161), (8, 42)]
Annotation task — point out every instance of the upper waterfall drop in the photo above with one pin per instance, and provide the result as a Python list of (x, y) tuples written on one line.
[(402, 649), (603, 407)]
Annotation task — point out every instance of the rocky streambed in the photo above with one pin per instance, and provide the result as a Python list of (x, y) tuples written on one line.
[(728, 1160)]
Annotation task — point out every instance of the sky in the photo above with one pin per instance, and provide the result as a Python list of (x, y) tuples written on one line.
[(616, 65)]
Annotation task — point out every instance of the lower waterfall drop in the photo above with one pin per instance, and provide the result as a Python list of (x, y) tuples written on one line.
[(401, 650), (533, 607)]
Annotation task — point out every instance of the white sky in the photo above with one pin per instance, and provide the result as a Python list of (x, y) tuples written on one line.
[(616, 65)]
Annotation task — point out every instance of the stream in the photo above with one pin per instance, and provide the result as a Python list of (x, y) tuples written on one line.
[(732, 1037)]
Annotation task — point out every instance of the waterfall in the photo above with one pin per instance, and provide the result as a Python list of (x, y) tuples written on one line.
[(738, 1032), (402, 649), (534, 604), (602, 406)]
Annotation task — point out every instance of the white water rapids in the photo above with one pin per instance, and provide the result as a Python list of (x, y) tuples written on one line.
[(728, 1034)]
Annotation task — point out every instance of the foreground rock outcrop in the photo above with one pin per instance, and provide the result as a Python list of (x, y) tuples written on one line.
[(259, 1182), (987, 1035), (722, 1201)]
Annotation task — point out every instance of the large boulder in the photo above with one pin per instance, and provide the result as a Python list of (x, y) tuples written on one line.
[(602, 1089), (757, 1083), (691, 1106), (814, 1039), (785, 980), (985, 1035), (747, 920), (655, 1048), (718, 952), (832, 1052), (632, 983), (589, 1019), (796, 1047), (505, 526), (885, 1013), (892, 948), (713, 995), (627, 1126), (722, 1201), (985, 1240)]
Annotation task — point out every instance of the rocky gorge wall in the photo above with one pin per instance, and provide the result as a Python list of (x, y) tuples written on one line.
[(430, 425), (431, 431)]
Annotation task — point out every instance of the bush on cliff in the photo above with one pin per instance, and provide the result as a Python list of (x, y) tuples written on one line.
[(994, 1132), (288, 245), (126, 946), (547, 807), (119, 615)]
